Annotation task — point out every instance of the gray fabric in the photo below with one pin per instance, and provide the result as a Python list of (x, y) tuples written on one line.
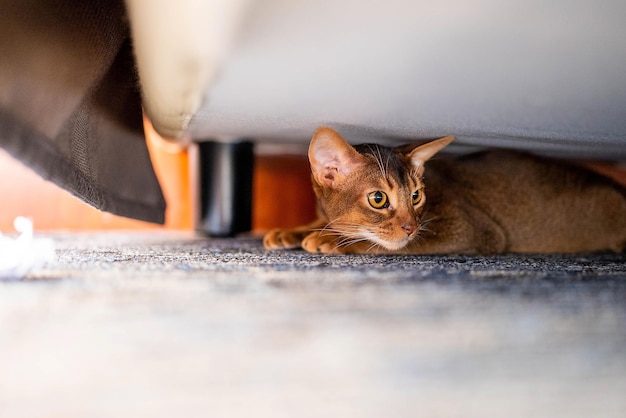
[(70, 106), (170, 325), (526, 74)]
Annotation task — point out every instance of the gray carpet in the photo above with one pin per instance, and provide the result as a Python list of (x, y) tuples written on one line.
[(174, 325)]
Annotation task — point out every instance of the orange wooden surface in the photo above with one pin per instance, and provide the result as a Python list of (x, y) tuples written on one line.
[(282, 195), (616, 172)]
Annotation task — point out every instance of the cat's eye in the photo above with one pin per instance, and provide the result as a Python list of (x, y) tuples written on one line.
[(416, 197), (378, 200)]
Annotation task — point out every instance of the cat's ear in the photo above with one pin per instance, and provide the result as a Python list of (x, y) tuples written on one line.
[(425, 152), (332, 158)]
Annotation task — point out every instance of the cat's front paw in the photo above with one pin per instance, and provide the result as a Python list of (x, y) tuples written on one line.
[(324, 243), (284, 239)]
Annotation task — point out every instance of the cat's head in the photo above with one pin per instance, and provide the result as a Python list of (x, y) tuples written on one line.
[(370, 192)]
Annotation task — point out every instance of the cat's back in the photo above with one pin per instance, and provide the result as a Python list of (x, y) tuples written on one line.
[(491, 173), (542, 204), (511, 173)]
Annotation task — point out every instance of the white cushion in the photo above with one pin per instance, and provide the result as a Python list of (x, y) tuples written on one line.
[(530, 74)]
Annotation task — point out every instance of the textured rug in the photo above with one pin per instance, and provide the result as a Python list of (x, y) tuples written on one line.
[(172, 324)]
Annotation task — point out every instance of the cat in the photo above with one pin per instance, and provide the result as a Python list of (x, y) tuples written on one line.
[(375, 199)]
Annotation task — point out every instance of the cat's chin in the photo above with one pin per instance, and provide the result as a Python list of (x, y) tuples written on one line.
[(397, 245), (394, 245)]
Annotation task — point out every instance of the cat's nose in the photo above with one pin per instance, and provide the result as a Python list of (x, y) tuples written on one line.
[(409, 228)]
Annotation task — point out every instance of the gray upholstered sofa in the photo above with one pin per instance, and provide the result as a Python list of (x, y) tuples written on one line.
[(546, 77)]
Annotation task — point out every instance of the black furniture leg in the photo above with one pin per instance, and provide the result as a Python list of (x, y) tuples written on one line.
[(222, 179)]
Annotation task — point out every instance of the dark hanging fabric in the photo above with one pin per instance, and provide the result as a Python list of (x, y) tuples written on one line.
[(70, 106)]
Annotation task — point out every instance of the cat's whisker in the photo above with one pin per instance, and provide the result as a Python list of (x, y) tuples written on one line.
[(423, 230), (343, 233), (339, 223), (353, 238), (347, 241), (341, 228), (424, 225), (432, 218), (326, 227), (323, 232), (344, 226), (383, 169), (378, 157), (387, 164), (371, 247)]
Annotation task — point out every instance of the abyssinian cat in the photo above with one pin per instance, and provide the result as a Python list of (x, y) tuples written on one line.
[(374, 199)]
